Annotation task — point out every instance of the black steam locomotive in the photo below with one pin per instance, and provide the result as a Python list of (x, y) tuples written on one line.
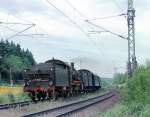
[(56, 78)]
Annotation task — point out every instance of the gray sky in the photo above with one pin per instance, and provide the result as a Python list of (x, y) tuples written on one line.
[(102, 53)]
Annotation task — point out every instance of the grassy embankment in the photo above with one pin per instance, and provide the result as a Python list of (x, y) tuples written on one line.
[(12, 94), (135, 96)]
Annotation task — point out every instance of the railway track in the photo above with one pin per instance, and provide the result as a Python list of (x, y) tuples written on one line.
[(68, 109), (17, 104)]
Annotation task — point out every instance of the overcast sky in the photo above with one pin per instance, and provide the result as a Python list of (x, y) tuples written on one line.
[(102, 53)]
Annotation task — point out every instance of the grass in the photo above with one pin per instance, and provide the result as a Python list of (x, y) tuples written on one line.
[(121, 110), (10, 98), (20, 97), (117, 110), (54, 103)]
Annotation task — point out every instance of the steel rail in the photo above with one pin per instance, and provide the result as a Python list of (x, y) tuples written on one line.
[(73, 106), (14, 105), (84, 107), (18, 104)]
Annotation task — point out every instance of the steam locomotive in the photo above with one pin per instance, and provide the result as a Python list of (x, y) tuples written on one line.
[(57, 78)]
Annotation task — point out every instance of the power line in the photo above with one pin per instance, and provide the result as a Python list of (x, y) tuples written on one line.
[(73, 22), (32, 34), (19, 32), (97, 19), (95, 45), (22, 19), (84, 17), (15, 23), (113, 16), (107, 30), (30, 24)]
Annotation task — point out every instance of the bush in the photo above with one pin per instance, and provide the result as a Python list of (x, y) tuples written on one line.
[(104, 84), (135, 95), (146, 111), (119, 78), (11, 97), (23, 97), (3, 99), (118, 110), (137, 91)]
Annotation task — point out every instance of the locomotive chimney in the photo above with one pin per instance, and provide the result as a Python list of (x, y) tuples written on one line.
[(72, 65)]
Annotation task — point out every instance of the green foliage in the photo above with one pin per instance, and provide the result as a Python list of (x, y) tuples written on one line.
[(119, 78), (23, 97), (3, 99), (145, 112), (13, 56), (15, 62), (104, 84), (136, 94), (11, 97), (138, 88), (118, 110)]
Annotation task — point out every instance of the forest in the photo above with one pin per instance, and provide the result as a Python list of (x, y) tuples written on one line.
[(13, 60)]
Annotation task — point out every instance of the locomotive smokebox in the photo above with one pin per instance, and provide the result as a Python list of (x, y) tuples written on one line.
[(72, 65)]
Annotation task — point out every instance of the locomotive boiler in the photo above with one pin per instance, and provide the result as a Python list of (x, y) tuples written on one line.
[(57, 78)]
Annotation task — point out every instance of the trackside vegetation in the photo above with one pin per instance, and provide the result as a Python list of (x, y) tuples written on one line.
[(10, 98), (135, 95), (14, 58)]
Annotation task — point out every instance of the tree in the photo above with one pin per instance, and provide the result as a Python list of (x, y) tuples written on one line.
[(12, 56), (15, 62), (119, 78)]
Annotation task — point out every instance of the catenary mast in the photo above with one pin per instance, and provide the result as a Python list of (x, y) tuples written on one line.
[(132, 63)]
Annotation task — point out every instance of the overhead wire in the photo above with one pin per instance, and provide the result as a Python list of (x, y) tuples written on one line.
[(20, 18), (29, 23), (15, 23), (19, 32), (123, 37), (32, 34), (72, 21), (84, 17), (107, 17), (13, 30), (106, 30)]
